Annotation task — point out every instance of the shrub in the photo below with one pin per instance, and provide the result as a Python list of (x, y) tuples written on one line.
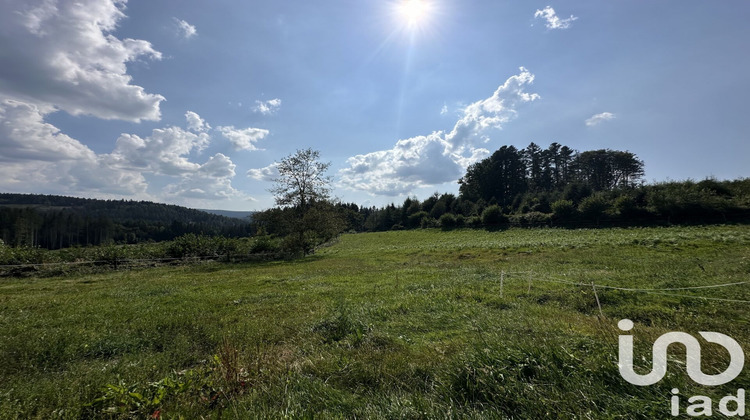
[(624, 206), (110, 254), (593, 207), (415, 220), (532, 218), (192, 245), (429, 222), (474, 222), (563, 209), (263, 244), (493, 216), (22, 255), (448, 221)]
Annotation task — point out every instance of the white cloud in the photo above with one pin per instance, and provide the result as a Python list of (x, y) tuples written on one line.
[(164, 152), (553, 21), (444, 109), (37, 156), (600, 118), (184, 29), (269, 107), (61, 55), (195, 122), (243, 139), (439, 157), (212, 180), (269, 173), (25, 136)]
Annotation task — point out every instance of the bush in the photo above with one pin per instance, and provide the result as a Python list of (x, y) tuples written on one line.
[(429, 222), (493, 216), (474, 222), (563, 209), (110, 254), (532, 218), (448, 221), (624, 206), (264, 244), (415, 220), (22, 255), (593, 207), (192, 245)]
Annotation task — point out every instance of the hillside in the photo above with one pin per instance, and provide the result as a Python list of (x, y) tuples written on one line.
[(52, 221), (243, 215)]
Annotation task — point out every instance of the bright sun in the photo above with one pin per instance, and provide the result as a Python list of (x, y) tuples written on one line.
[(414, 12)]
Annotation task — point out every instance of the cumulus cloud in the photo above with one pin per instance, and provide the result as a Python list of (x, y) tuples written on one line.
[(552, 20), (269, 107), (36, 154), (61, 55), (25, 136), (164, 152), (243, 139), (600, 118), (441, 156), (212, 180), (269, 173), (444, 109), (184, 29), (195, 122)]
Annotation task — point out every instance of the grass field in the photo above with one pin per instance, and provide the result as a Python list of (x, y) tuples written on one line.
[(408, 324)]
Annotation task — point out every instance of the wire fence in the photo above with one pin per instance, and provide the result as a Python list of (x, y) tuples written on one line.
[(529, 276), (532, 277)]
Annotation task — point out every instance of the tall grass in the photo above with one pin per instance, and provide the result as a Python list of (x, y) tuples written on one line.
[(382, 325)]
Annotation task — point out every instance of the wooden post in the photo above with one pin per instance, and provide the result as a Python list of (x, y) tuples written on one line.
[(596, 295)]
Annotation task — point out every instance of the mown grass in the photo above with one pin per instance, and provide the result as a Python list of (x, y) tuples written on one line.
[(409, 324)]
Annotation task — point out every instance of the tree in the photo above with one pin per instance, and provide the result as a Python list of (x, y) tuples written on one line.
[(501, 176), (301, 180), (302, 190)]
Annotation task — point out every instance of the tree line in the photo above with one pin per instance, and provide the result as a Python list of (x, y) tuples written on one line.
[(55, 222), (556, 186)]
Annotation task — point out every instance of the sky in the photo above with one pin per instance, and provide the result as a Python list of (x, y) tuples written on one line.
[(191, 102)]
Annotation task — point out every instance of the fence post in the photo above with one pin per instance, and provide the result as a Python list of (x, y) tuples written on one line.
[(502, 277), (596, 295)]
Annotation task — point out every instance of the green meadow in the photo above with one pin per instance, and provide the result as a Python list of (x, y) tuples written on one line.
[(402, 324)]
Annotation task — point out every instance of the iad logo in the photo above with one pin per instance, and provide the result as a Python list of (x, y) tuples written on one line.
[(693, 357), (701, 405)]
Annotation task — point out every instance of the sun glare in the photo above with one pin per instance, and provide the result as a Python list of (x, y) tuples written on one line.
[(414, 12)]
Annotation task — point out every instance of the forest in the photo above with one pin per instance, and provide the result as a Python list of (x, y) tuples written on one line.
[(55, 222), (557, 186)]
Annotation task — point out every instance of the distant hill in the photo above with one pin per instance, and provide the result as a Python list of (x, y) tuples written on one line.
[(243, 215), (52, 221)]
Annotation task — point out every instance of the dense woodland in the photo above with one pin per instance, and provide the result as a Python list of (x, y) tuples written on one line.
[(55, 222), (559, 186), (556, 186)]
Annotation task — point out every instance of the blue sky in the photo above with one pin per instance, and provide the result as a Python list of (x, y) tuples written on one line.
[(191, 102)]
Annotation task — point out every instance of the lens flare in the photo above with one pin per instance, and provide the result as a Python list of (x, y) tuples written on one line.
[(414, 12)]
